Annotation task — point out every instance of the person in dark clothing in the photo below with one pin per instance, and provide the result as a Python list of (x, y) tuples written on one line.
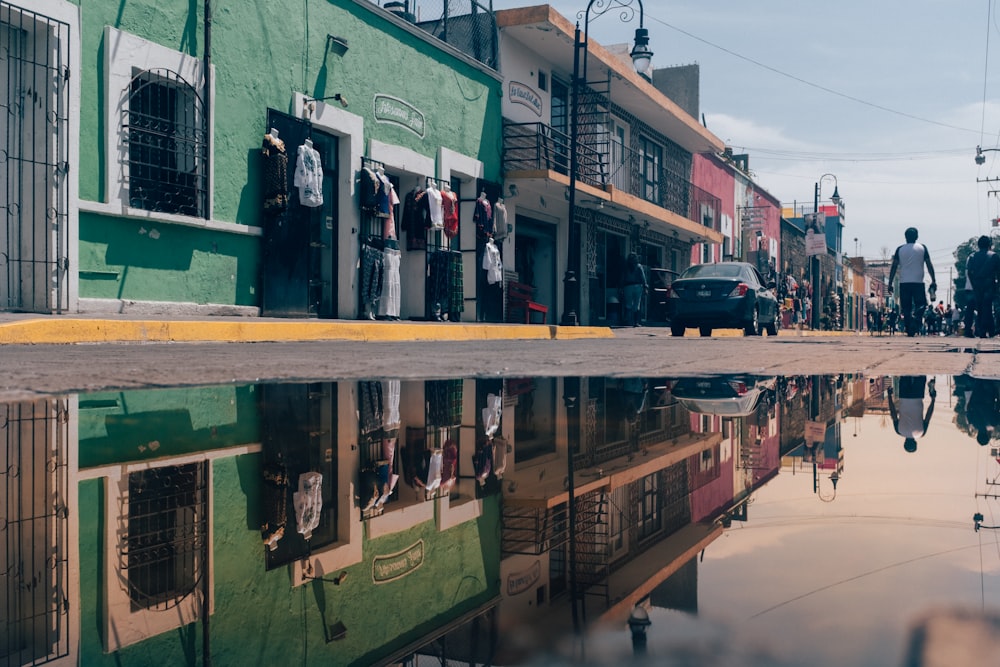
[(634, 286), (983, 271)]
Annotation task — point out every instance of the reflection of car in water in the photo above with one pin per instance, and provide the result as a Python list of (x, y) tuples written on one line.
[(726, 396)]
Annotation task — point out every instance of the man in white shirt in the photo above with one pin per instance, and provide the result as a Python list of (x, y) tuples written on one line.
[(910, 260)]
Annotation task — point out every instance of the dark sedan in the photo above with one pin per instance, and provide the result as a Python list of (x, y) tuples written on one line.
[(727, 295)]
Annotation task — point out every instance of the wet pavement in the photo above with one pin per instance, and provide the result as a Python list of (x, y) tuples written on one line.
[(752, 518)]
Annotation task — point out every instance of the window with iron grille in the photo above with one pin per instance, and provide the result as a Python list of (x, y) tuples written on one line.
[(163, 553), (157, 128), (167, 146)]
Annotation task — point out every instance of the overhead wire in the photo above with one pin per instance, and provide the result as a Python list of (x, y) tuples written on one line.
[(811, 84)]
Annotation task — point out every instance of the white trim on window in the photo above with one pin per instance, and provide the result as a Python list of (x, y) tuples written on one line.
[(126, 54)]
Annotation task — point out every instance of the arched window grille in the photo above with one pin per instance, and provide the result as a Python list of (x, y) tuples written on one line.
[(166, 131)]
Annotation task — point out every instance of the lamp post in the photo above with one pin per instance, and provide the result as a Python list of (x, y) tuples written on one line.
[(641, 57), (816, 268)]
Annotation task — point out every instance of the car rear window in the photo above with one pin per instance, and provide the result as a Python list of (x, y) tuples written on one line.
[(713, 271)]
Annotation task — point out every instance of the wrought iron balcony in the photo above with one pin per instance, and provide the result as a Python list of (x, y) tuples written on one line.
[(539, 147)]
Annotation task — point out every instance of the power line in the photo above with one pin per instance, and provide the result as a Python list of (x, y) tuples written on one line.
[(812, 84)]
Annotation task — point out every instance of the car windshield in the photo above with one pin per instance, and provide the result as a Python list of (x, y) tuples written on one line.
[(713, 271)]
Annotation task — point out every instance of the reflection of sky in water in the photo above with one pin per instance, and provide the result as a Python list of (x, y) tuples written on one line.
[(844, 581)]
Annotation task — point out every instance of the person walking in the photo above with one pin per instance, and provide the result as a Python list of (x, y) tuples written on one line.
[(634, 286), (874, 306), (983, 271), (910, 260)]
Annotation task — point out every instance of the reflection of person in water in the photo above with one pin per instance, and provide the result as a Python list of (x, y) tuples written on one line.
[(982, 408), (908, 417)]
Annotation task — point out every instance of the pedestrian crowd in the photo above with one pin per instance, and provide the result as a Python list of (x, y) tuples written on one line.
[(914, 314)]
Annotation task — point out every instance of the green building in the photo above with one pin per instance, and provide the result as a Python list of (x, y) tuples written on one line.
[(135, 174)]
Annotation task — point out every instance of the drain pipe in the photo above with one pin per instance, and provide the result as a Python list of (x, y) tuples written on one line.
[(209, 130), (206, 606)]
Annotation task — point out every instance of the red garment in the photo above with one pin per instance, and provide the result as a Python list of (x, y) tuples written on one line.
[(449, 202)]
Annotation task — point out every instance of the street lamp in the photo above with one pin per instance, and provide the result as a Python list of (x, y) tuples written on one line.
[(638, 623), (980, 158), (641, 58), (817, 297)]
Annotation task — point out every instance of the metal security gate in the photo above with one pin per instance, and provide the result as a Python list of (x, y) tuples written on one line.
[(34, 533), (34, 161)]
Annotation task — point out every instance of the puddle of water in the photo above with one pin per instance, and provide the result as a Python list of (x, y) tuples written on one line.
[(755, 520)]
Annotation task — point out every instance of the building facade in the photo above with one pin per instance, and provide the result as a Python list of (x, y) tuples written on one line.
[(634, 189), (185, 202)]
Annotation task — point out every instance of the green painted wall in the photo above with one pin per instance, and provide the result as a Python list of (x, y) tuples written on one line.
[(144, 425), (260, 619), (263, 52), (129, 259)]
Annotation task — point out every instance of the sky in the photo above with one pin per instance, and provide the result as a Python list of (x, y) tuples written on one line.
[(891, 98)]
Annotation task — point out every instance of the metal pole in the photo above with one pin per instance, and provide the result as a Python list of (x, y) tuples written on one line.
[(570, 281), (816, 266)]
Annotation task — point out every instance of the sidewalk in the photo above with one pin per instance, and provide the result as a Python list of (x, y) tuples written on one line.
[(29, 329)]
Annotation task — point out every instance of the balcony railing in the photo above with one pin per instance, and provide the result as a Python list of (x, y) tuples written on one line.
[(536, 146)]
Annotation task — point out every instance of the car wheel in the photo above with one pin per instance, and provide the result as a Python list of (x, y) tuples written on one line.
[(705, 331), (752, 327), (772, 326), (676, 330)]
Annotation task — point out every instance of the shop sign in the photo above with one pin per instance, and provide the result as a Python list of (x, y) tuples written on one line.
[(815, 431), (525, 580), (395, 111), (520, 93), (397, 565)]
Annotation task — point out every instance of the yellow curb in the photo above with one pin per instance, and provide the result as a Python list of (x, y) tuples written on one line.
[(67, 331), (577, 333)]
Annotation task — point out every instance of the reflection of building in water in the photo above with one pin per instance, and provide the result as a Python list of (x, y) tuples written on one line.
[(653, 484), (40, 556), (334, 506), (210, 510), (811, 435)]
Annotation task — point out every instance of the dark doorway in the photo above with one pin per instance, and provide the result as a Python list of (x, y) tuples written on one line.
[(299, 263)]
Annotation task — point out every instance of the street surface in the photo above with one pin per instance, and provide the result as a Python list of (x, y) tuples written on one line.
[(652, 352)]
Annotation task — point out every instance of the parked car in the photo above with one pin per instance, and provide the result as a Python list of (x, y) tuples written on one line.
[(725, 295)]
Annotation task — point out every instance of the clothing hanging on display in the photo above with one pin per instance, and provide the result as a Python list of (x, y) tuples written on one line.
[(500, 451), (499, 220), (449, 467), (370, 406), (416, 219), (491, 263), (372, 267), (390, 293), (482, 462), (383, 208), (369, 185), (491, 414), (385, 471), (275, 173), (368, 491), (390, 396), (389, 226), (274, 494), (449, 205), (433, 480), (482, 216), (309, 175), (434, 207), (308, 502), (446, 293)]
